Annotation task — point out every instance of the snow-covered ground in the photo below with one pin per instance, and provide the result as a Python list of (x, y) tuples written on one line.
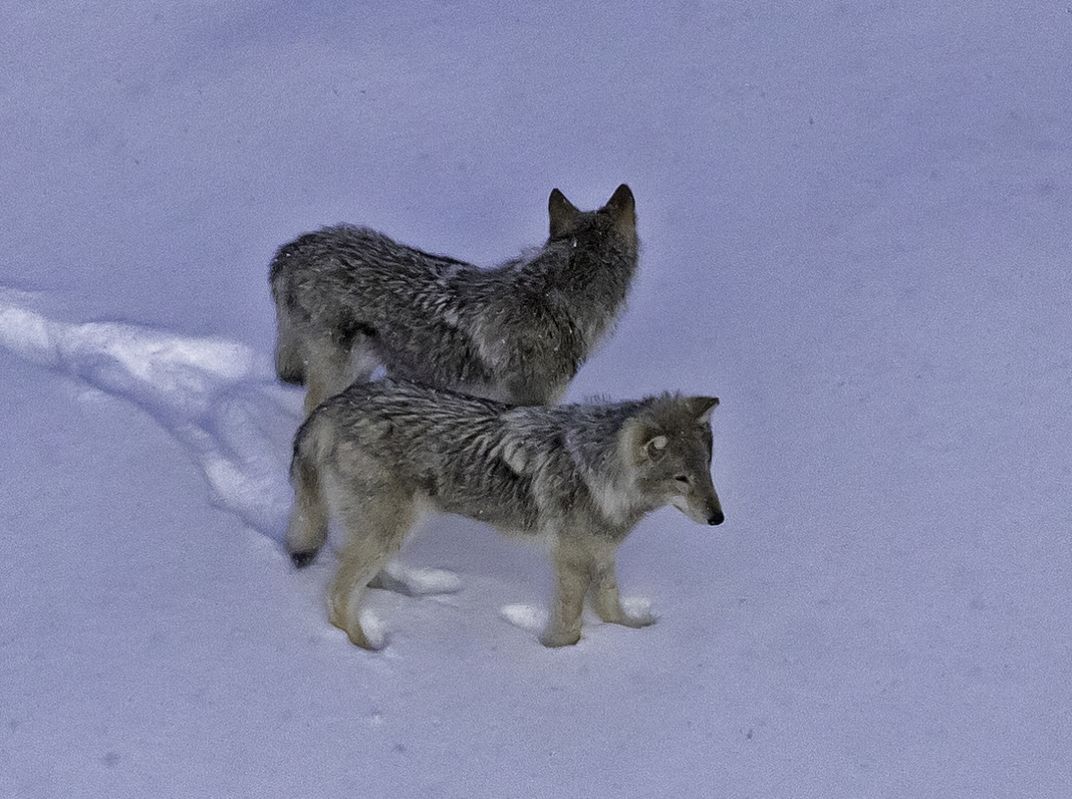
[(856, 224)]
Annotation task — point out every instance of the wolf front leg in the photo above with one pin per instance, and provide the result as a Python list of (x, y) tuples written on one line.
[(605, 598), (573, 572)]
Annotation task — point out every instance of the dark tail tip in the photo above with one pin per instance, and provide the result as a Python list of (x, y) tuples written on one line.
[(295, 378), (303, 559)]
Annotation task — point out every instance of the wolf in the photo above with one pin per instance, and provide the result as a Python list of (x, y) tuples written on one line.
[(578, 477), (349, 300)]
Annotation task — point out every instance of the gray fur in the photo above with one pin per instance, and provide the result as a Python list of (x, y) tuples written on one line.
[(578, 476), (349, 299)]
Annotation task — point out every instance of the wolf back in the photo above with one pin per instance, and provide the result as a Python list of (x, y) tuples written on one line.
[(349, 299)]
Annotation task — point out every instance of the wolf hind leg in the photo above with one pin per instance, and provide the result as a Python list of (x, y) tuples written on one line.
[(327, 371), (376, 522), (332, 366), (364, 358)]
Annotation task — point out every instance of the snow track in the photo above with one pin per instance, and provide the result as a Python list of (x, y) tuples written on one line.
[(217, 398), (855, 227)]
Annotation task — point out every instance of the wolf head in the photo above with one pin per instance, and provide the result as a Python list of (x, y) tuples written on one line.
[(617, 217), (668, 448)]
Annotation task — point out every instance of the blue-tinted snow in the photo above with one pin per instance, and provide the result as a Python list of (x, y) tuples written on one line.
[(855, 220)]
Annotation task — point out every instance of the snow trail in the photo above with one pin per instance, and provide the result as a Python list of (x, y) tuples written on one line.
[(217, 398)]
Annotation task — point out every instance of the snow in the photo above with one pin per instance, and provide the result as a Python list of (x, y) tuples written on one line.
[(534, 619), (217, 398), (638, 608), (855, 232), (526, 617), (375, 632), (419, 582)]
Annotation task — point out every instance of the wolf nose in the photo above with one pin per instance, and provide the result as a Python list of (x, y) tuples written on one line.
[(716, 518)]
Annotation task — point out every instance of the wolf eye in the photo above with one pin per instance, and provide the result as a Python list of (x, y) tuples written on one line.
[(683, 478)]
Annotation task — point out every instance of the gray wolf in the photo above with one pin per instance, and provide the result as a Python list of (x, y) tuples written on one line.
[(349, 299), (578, 477)]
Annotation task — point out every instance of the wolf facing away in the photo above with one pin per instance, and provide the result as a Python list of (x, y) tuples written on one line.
[(349, 299), (578, 476)]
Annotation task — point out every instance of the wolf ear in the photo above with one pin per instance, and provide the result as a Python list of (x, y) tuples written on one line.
[(701, 408), (642, 441), (622, 208), (563, 214), (655, 447)]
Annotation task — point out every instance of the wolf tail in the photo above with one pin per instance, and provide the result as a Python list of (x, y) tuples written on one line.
[(289, 366), (289, 363), (308, 528)]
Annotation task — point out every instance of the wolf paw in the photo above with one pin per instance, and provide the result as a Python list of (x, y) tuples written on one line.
[(556, 638), (368, 633), (372, 631)]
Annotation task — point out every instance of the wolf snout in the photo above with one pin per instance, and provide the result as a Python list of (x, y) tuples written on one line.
[(716, 517)]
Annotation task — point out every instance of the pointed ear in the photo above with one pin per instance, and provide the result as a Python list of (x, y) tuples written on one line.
[(701, 408), (622, 200), (563, 214), (622, 208), (642, 441), (655, 447)]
